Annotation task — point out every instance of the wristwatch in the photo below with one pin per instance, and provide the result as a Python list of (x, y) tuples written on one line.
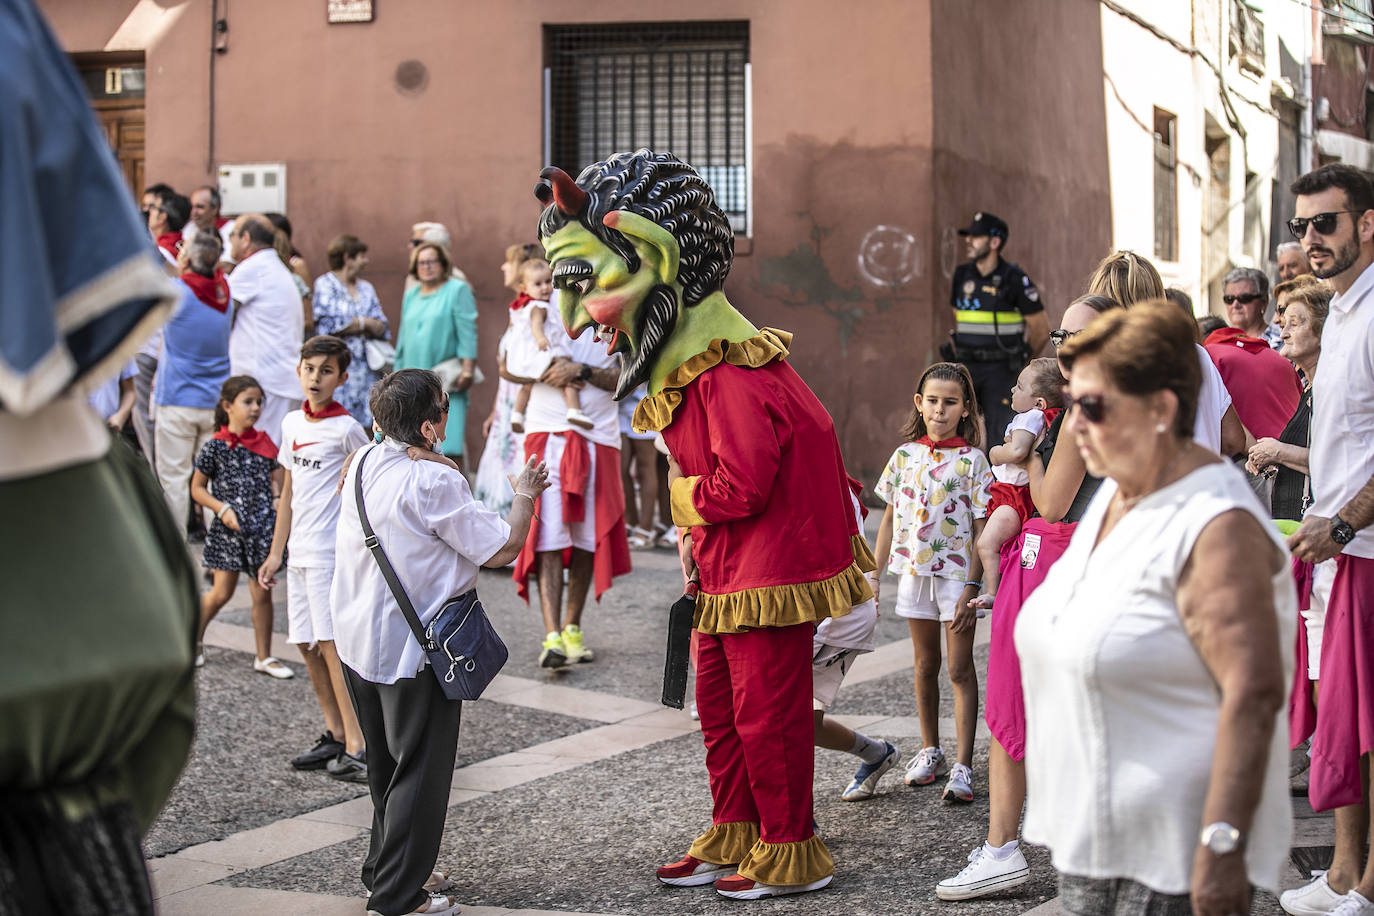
[(1341, 532), (585, 373), (1221, 838)]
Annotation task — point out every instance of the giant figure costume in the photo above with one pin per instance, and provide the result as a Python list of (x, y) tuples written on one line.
[(640, 250)]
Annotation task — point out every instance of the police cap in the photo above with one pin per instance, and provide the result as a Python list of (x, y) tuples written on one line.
[(985, 223)]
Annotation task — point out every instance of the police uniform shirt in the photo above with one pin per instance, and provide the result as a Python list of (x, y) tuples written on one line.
[(991, 309)]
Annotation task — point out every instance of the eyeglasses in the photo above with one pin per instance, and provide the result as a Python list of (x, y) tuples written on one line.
[(1244, 298), (1324, 223), (1059, 335), (429, 262), (416, 243), (1094, 406)]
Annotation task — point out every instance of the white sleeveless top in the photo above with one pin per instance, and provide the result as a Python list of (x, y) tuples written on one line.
[(1121, 711)]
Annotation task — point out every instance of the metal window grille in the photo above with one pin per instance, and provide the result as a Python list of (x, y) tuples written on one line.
[(1166, 186), (680, 88)]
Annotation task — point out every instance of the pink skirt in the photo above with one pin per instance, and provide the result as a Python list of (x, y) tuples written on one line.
[(1302, 714), (1345, 693), (1025, 561)]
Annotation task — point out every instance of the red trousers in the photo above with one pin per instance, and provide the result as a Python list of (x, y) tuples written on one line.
[(754, 700)]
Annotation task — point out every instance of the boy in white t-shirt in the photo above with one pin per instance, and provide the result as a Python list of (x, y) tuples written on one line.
[(315, 443)]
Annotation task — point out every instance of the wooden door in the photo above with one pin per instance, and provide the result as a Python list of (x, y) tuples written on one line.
[(124, 131)]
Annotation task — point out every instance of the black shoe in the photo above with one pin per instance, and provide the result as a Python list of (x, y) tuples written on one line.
[(348, 768), (318, 757)]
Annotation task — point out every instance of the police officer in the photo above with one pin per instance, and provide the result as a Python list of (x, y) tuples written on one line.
[(999, 321)]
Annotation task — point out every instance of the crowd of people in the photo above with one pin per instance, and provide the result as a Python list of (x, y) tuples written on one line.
[(1145, 582)]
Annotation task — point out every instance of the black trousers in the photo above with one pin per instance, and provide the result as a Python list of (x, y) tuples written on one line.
[(992, 384), (411, 730)]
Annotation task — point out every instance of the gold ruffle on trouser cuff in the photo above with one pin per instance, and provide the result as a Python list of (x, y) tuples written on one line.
[(725, 844), (781, 864)]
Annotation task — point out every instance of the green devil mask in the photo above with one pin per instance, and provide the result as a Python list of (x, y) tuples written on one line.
[(633, 242)]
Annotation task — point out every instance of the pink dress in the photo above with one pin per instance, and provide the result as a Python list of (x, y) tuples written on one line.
[(1025, 561)]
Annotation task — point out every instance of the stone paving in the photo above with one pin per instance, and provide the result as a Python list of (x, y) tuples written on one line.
[(571, 786)]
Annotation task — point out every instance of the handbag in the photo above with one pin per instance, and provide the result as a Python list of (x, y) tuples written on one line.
[(463, 649), (381, 355), (449, 371)]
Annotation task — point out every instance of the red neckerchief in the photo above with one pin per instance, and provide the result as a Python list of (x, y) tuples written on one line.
[(1050, 414), (255, 440), (332, 409), (213, 291), (954, 442), (520, 301), (1235, 337), (170, 241)]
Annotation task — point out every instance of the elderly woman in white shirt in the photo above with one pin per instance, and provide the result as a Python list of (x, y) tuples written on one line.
[(1153, 656), (436, 536)]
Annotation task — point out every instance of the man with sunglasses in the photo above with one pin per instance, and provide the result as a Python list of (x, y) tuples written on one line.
[(1245, 291), (1334, 221), (999, 320)]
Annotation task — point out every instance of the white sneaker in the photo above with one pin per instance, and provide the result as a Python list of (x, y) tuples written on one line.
[(1354, 904), (865, 781), (1315, 898), (925, 766), (517, 422), (984, 874), (579, 419), (959, 788)]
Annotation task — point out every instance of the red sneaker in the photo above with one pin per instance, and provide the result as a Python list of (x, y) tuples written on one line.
[(691, 872), (739, 887)]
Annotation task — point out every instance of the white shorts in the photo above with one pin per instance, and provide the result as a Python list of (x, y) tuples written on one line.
[(553, 533), (828, 669), (1314, 618), (928, 597), (309, 619)]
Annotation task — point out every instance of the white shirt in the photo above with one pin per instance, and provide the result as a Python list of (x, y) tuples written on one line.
[(268, 323), (188, 232), (314, 453), (1033, 422), (548, 414), (1213, 400), (1121, 710), (1342, 457), (436, 536)]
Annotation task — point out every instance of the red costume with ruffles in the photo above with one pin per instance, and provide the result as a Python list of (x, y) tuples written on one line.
[(766, 497)]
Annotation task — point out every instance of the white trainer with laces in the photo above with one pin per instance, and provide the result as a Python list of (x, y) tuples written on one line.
[(925, 767), (1315, 898), (1354, 904), (959, 788), (984, 874)]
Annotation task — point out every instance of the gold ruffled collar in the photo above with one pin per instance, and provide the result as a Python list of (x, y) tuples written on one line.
[(655, 412)]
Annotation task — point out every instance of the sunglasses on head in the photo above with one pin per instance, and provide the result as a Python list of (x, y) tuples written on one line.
[(1324, 223), (1058, 336), (1244, 298), (1094, 406)]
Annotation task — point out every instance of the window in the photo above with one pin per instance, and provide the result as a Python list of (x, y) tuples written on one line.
[(1166, 186), (678, 88), (1353, 18), (1247, 37)]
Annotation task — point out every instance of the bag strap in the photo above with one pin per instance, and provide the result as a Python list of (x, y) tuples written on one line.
[(398, 590)]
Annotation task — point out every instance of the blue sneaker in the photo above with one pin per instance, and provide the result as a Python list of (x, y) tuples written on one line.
[(865, 782)]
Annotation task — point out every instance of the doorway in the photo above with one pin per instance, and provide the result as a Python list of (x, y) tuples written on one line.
[(116, 84)]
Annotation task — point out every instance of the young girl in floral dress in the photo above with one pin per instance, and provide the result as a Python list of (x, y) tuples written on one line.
[(936, 487), (237, 478)]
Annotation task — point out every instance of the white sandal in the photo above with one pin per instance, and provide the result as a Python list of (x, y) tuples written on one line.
[(438, 883), (639, 538), (273, 666), (437, 905)]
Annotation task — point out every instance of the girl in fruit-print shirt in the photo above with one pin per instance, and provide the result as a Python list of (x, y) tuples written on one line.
[(936, 487)]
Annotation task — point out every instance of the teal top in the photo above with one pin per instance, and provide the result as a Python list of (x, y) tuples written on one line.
[(434, 327)]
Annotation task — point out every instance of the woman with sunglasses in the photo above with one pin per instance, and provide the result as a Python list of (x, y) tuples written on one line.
[(1152, 656), (1060, 489)]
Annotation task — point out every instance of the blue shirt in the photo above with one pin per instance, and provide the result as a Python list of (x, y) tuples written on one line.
[(195, 353)]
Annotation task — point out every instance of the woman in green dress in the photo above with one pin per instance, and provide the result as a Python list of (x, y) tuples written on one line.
[(439, 324)]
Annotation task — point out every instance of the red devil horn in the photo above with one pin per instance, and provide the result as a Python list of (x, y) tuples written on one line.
[(567, 196)]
